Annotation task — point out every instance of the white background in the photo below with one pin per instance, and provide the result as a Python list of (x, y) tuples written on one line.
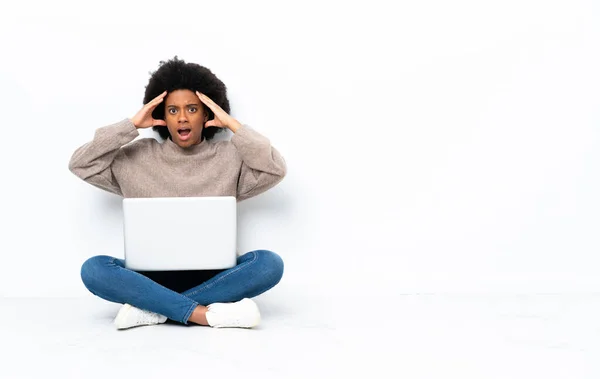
[(432, 146)]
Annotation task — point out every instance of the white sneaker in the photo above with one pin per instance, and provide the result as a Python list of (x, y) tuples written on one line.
[(241, 314), (130, 316)]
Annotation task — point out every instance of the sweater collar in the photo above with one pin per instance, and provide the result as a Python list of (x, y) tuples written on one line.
[(172, 147)]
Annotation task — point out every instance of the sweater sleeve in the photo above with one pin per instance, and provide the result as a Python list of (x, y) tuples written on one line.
[(262, 165), (93, 162)]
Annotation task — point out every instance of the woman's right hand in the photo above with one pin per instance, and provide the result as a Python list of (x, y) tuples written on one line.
[(144, 119)]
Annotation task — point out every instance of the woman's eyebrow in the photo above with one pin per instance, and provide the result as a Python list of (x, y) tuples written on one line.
[(187, 105)]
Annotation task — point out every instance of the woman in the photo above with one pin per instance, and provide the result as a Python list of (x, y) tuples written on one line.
[(187, 105)]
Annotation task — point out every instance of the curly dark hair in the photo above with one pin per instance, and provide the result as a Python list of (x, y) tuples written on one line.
[(176, 74)]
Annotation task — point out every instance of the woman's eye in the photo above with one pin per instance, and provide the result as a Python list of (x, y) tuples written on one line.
[(193, 109), (172, 111)]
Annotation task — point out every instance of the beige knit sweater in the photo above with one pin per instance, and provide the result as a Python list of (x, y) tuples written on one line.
[(243, 167)]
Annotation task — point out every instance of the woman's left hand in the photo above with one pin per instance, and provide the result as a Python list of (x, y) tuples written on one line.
[(222, 119)]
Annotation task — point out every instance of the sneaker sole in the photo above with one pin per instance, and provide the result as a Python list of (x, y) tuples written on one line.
[(122, 316), (249, 307), (251, 304)]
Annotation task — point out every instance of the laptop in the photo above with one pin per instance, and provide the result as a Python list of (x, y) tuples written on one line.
[(180, 233)]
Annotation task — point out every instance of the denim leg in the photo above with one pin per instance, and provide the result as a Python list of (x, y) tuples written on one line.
[(255, 273), (107, 277)]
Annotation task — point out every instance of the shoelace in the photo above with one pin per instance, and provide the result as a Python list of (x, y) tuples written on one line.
[(146, 317)]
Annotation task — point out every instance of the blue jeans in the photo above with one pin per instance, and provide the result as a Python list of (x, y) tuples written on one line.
[(107, 277)]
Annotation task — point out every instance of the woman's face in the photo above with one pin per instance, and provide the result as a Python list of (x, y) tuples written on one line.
[(185, 117)]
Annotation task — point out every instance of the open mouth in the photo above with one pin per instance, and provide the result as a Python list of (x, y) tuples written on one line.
[(184, 133)]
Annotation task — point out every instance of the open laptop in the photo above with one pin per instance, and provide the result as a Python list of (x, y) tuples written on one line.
[(180, 233)]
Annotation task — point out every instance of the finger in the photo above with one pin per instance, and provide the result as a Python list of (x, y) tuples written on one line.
[(210, 123), (158, 123), (161, 96), (209, 103), (208, 99), (154, 103), (158, 99)]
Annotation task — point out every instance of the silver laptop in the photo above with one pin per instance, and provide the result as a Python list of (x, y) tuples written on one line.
[(180, 233)]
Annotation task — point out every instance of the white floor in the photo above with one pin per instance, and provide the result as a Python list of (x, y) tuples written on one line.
[(402, 336)]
